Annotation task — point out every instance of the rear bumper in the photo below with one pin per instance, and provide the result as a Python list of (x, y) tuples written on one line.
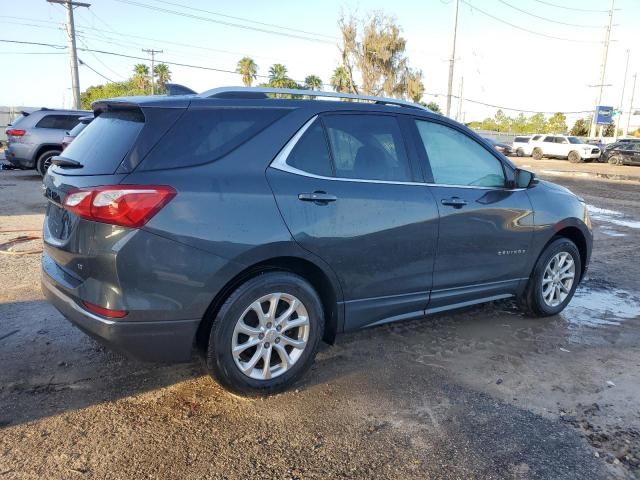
[(156, 341), (20, 155)]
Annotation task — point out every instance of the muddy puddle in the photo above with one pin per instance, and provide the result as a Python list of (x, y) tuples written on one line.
[(597, 308), (613, 217), (604, 176)]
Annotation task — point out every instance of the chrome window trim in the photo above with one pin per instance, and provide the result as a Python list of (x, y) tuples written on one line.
[(280, 163)]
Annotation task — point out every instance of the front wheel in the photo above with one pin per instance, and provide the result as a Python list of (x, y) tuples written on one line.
[(266, 334), (554, 279), (520, 152), (574, 157), (615, 160)]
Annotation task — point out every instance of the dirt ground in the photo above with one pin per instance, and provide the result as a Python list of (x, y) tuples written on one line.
[(482, 393)]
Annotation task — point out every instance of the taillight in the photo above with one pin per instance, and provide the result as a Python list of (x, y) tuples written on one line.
[(125, 205), (15, 132)]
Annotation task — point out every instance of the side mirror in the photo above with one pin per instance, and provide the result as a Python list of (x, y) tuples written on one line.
[(524, 178)]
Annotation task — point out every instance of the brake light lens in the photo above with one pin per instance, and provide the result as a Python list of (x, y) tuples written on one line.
[(125, 205), (104, 312), (15, 132)]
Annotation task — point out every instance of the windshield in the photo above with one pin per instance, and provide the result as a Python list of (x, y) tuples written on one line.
[(574, 140)]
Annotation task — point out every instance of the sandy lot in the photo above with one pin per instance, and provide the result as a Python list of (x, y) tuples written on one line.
[(481, 393)]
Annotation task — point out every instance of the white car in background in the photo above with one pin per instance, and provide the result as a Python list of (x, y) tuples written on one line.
[(562, 146), (523, 145)]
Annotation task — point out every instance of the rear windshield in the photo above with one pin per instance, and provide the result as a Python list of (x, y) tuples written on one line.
[(204, 135), (104, 143)]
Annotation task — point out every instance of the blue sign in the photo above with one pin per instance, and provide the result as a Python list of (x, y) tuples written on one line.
[(604, 115)]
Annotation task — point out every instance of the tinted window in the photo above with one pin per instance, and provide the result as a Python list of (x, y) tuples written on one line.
[(367, 147), (75, 131), (60, 122), (311, 153), (104, 143), (561, 140), (521, 139), (536, 137), (456, 159), (548, 139), (575, 140), (201, 136)]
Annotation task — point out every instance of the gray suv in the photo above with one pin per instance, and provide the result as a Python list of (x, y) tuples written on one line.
[(35, 137), (254, 227)]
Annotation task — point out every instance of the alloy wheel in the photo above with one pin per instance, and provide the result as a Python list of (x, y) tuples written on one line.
[(558, 278), (270, 336)]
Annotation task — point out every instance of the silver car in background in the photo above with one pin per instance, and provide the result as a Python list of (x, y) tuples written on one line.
[(34, 138)]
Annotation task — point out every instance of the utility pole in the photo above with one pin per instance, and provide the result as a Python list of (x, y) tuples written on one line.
[(633, 91), (603, 68), (71, 32), (624, 84), (452, 61), (152, 52), (459, 113)]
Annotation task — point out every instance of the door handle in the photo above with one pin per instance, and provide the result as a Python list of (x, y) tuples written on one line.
[(455, 202), (319, 198)]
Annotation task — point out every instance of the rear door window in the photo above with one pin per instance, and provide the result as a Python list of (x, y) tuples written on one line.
[(368, 147), (203, 135), (104, 143), (58, 122)]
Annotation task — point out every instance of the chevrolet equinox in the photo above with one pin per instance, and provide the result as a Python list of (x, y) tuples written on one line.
[(253, 226)]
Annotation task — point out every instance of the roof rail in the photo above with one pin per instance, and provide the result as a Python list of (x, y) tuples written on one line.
[(262, 92)]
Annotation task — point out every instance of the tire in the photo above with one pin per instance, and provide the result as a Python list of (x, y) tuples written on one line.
[(615, 160), (44, 161), (537, 153), (533, 301), (519, 153), (574, 157), (237, 313)]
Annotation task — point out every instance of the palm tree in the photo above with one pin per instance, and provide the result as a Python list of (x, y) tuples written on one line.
[(278, 76), (340, 80), (162, 74), (141, 75), (248, 69), (313, 82)]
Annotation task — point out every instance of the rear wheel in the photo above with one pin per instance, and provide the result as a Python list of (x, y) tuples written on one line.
[(520, 152), (574, 157), (554, 279), (266, 334), (537, 153), (44, 161)]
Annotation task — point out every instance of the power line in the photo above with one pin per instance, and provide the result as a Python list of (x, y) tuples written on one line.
[(246, 20), (518, 27), (570, 8), (94, 70), (221, 22), (548, 19), (61, 47), (202, 67), (82, 41)]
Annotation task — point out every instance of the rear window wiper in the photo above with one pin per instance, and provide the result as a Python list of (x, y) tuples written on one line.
[(66, 162)]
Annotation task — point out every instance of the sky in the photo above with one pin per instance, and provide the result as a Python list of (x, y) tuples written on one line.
[(501, 63)]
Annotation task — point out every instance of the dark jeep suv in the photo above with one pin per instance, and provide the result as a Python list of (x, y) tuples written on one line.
[(254, 227)]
